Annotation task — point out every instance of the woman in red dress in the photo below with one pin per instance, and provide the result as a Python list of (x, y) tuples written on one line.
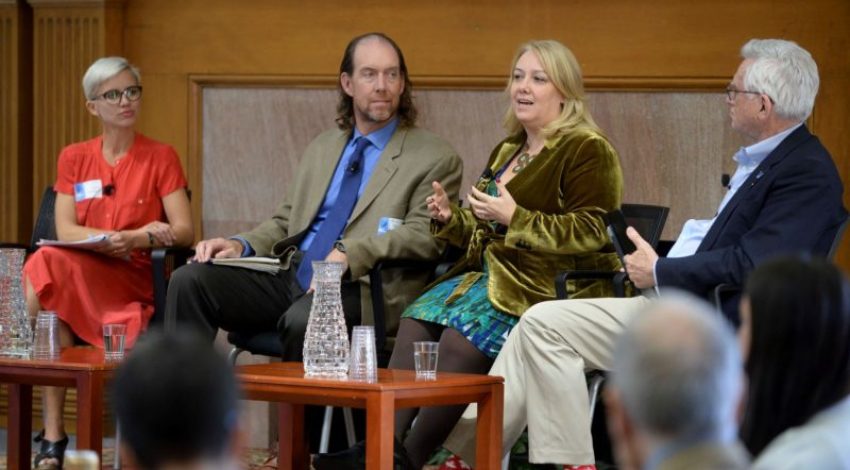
[(128, 187)]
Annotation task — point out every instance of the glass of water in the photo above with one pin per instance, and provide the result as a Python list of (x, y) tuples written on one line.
[(425, 359), (113, 341)]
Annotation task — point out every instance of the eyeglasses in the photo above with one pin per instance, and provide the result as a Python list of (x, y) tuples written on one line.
[(132, 93), (731, 92)]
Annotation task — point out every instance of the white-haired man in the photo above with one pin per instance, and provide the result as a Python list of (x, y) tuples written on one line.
[(768, 210), (676, 387)]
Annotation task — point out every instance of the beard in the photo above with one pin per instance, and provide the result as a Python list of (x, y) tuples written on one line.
[(376, 115)]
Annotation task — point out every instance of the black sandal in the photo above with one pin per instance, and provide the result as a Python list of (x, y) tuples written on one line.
[(49, 450)]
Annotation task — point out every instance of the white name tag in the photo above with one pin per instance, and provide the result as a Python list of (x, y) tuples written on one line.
[(387, 224), (87, 190)]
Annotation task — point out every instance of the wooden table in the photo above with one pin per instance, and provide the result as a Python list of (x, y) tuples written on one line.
[(82, 368), (285, 383)]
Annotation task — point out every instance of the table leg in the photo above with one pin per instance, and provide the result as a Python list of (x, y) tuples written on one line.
[(90, 411), (292, 443), (380, 427), (20, 427), (488, 443)]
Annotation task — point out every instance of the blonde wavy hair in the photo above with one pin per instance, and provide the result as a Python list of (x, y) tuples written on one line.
[(563, 71)]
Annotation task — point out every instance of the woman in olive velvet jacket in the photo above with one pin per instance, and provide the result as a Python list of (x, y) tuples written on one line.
[(536, 210)]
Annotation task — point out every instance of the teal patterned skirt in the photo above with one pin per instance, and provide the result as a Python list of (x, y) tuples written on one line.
[(461, 303)]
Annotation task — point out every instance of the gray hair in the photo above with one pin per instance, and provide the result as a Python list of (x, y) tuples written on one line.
[(678, 369), (785, 72), (102, 70)]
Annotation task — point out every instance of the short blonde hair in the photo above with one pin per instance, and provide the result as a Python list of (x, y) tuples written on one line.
[(102, 70), (563, 70)]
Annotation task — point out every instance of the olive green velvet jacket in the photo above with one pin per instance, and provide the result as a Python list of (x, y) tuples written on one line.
[(560, 196)]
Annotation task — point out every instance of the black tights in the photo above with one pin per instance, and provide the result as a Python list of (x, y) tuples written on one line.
[(456, 354)]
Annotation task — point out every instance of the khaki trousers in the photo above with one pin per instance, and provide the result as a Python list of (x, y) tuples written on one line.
[(544, 361)]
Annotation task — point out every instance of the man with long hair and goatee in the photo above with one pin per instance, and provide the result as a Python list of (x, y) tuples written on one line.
[(324, 216)]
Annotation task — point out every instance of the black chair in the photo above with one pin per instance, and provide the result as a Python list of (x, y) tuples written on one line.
[(649, 222), (45, 226), (722, 292)]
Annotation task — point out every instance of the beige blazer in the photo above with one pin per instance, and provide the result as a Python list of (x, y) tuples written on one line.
[(397, 188)]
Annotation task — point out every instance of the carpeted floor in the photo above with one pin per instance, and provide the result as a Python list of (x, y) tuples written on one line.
[(259, 459)]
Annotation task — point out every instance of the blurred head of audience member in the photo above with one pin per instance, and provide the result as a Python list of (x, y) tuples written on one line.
[(795, 332), (676, 387), (176, 400)]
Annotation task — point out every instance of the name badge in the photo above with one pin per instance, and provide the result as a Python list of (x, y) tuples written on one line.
[(88, 190), (387, 224)]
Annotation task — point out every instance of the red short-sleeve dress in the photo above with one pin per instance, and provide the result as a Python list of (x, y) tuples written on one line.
[(87, 289)]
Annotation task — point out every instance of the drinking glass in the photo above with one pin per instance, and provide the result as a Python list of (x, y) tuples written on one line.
[(113, 341), (46, 343), (364, 358), (425, 359)]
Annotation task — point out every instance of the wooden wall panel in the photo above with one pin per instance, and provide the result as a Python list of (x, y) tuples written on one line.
[(68, 37), (15, 121), (252, 141)]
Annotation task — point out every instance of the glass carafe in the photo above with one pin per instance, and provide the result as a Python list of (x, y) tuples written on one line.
[(326, 346), (15, 328)]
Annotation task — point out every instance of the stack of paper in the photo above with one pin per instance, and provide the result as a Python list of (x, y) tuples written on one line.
[(93, 241), (257, 263)]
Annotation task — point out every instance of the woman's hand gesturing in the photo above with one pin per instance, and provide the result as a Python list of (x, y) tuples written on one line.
[(500, 208), (438, 204)]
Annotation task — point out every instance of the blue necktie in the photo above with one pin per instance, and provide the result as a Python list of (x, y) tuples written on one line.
[(333, 225)]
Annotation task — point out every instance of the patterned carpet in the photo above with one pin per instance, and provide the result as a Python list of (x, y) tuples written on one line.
[(260, 459)]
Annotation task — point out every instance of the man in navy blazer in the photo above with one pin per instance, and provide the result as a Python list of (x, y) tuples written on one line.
[(785, 197)]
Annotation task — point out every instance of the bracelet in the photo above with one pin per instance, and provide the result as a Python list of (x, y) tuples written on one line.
[(150, 239)]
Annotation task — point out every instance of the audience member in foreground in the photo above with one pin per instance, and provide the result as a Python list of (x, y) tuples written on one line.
[(769, 210), (176, 400), (120, 184), (676, 386), (795, 332)]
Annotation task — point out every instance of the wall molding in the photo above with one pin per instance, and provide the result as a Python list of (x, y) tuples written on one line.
[(76, 3), (663, 84)]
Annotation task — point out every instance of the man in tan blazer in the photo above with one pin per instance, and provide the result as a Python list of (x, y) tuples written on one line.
[(389, 219)]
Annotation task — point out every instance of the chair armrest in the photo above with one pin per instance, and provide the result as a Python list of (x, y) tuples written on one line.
[(618, 281), (163, 262), (720, 291)]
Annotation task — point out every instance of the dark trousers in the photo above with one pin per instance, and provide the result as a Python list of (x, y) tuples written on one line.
[(207, 297)]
